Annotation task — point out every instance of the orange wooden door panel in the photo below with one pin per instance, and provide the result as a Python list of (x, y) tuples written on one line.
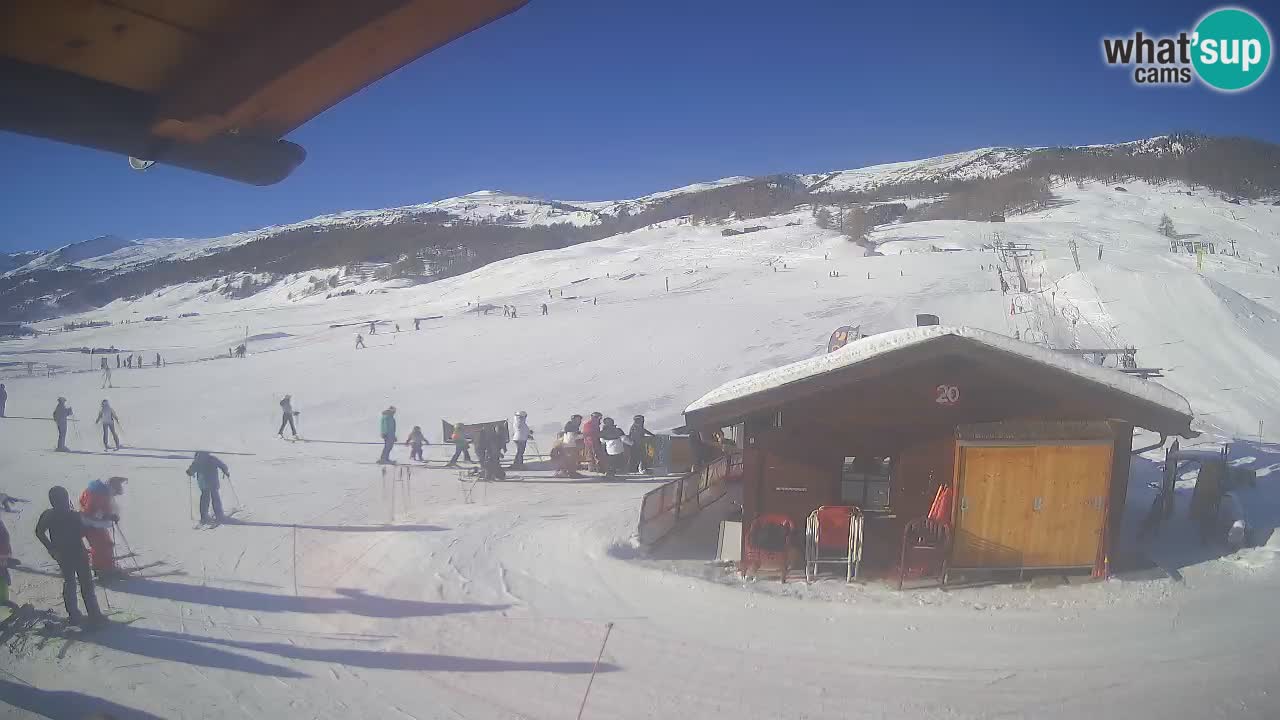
[(994, 509), (1068, 505)]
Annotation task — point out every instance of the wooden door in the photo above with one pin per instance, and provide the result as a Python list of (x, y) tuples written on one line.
[(1069, 505), (993, 506)]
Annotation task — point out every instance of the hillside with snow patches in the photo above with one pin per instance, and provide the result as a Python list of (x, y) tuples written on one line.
[(521, 211), (493, 602)]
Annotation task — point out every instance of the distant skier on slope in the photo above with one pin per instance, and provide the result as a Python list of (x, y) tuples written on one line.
[(415, 441), (61, 412), (387, 428), (373, 327), (287, 416), (359, 341), (208, 470), (107, 418), (98, 512), (544, 308), (106, 374), (521, 437), (459, 440), (4, 399), (61, 532)]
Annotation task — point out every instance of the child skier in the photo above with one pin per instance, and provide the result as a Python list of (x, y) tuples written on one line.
[(61, 532), (459, 440), (415, 441)]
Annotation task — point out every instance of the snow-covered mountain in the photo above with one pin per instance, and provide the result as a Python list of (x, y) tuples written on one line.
[(504, 224)]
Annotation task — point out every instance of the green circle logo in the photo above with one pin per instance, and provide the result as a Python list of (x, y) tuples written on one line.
[(1232, 49)]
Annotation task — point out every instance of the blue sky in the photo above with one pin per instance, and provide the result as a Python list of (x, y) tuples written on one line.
[(586, 100)]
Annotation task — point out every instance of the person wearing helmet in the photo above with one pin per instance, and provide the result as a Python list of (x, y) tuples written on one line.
[(596, 460), (61, 532), (521, 437), (387, 428), (415, 441), (639, 447), (61, 412), (98, 512), (107, 418), (615, 447), (459, 440)]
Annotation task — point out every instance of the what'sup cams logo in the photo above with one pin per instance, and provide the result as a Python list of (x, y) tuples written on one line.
[(1229, 50)]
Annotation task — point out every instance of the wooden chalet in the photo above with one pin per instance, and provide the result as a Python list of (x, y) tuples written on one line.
[(1035, 444)]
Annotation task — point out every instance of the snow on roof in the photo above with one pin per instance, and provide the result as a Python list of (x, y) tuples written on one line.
[(883, 343)]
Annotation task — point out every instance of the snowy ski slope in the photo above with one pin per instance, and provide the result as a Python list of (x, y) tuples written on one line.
[(492, 602)]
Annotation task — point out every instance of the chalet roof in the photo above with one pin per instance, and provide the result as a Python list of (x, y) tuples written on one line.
[(1145, 403)]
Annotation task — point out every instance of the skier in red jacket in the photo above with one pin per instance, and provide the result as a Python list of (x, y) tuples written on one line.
[(98, 511)]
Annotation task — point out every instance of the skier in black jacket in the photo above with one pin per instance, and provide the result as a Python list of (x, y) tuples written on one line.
[(61, 532), (60, 414)]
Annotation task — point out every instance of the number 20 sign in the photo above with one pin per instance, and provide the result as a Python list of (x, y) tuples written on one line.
[(947, 395)]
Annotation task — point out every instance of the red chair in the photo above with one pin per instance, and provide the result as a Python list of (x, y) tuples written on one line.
[(767, 542), (833, 536), (930, 538)]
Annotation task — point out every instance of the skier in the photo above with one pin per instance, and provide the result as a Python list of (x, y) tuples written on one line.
[(513, 311), (117, 361), (639, 445), (4, 399), (107, 418), (106, 374), (415, 441), (359, 341), (157, 359), (544, 308), (615, 447), (459, 440), (61, 532), (591, 442), (417, 324), (6, 550), (98, 512), (61, 412), (287, 415), (208, 470), (505, 311), (564, 453), (521, 438), (387, 428), (489, 454), (373, 327)]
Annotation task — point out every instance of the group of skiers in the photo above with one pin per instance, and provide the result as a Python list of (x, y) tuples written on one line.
[(107, 418), (603, 445), (105, 367)]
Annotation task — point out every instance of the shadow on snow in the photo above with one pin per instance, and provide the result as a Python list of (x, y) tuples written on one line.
[(65, 704)]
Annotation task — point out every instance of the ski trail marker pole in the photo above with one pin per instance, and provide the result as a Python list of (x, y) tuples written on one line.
[(608, 628), (295, 561)]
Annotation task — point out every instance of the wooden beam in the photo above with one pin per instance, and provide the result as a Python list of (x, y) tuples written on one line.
[(308, 57)]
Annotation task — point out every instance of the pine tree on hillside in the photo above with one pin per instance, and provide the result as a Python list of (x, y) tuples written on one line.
[(1166, 226), (823, 218)]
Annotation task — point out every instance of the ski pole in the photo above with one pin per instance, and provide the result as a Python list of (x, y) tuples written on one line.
[(191, 512), (127, 547), (235, 495)]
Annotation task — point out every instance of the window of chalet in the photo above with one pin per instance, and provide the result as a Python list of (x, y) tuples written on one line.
[(864, 482)]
